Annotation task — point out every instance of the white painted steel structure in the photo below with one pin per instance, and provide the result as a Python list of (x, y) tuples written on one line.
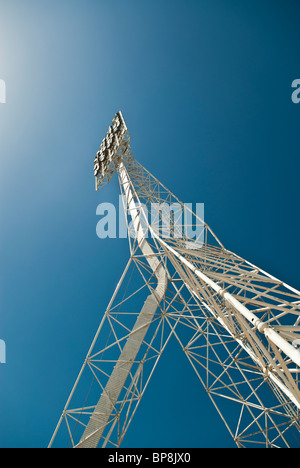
[(238, 326)]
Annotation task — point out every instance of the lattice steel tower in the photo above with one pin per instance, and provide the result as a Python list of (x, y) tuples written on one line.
[(238, 325)]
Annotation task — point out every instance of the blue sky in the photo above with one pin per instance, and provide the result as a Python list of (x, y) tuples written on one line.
[(205, 88)]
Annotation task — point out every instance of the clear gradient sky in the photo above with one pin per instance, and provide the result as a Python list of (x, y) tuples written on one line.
[(205, 88)]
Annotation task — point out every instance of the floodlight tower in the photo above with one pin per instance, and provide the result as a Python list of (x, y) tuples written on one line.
[(238, 325)]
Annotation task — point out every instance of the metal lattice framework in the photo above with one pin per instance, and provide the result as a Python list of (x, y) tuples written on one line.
[(238, 326)]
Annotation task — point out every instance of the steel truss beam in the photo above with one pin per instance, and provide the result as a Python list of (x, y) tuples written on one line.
[(238, 326)]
